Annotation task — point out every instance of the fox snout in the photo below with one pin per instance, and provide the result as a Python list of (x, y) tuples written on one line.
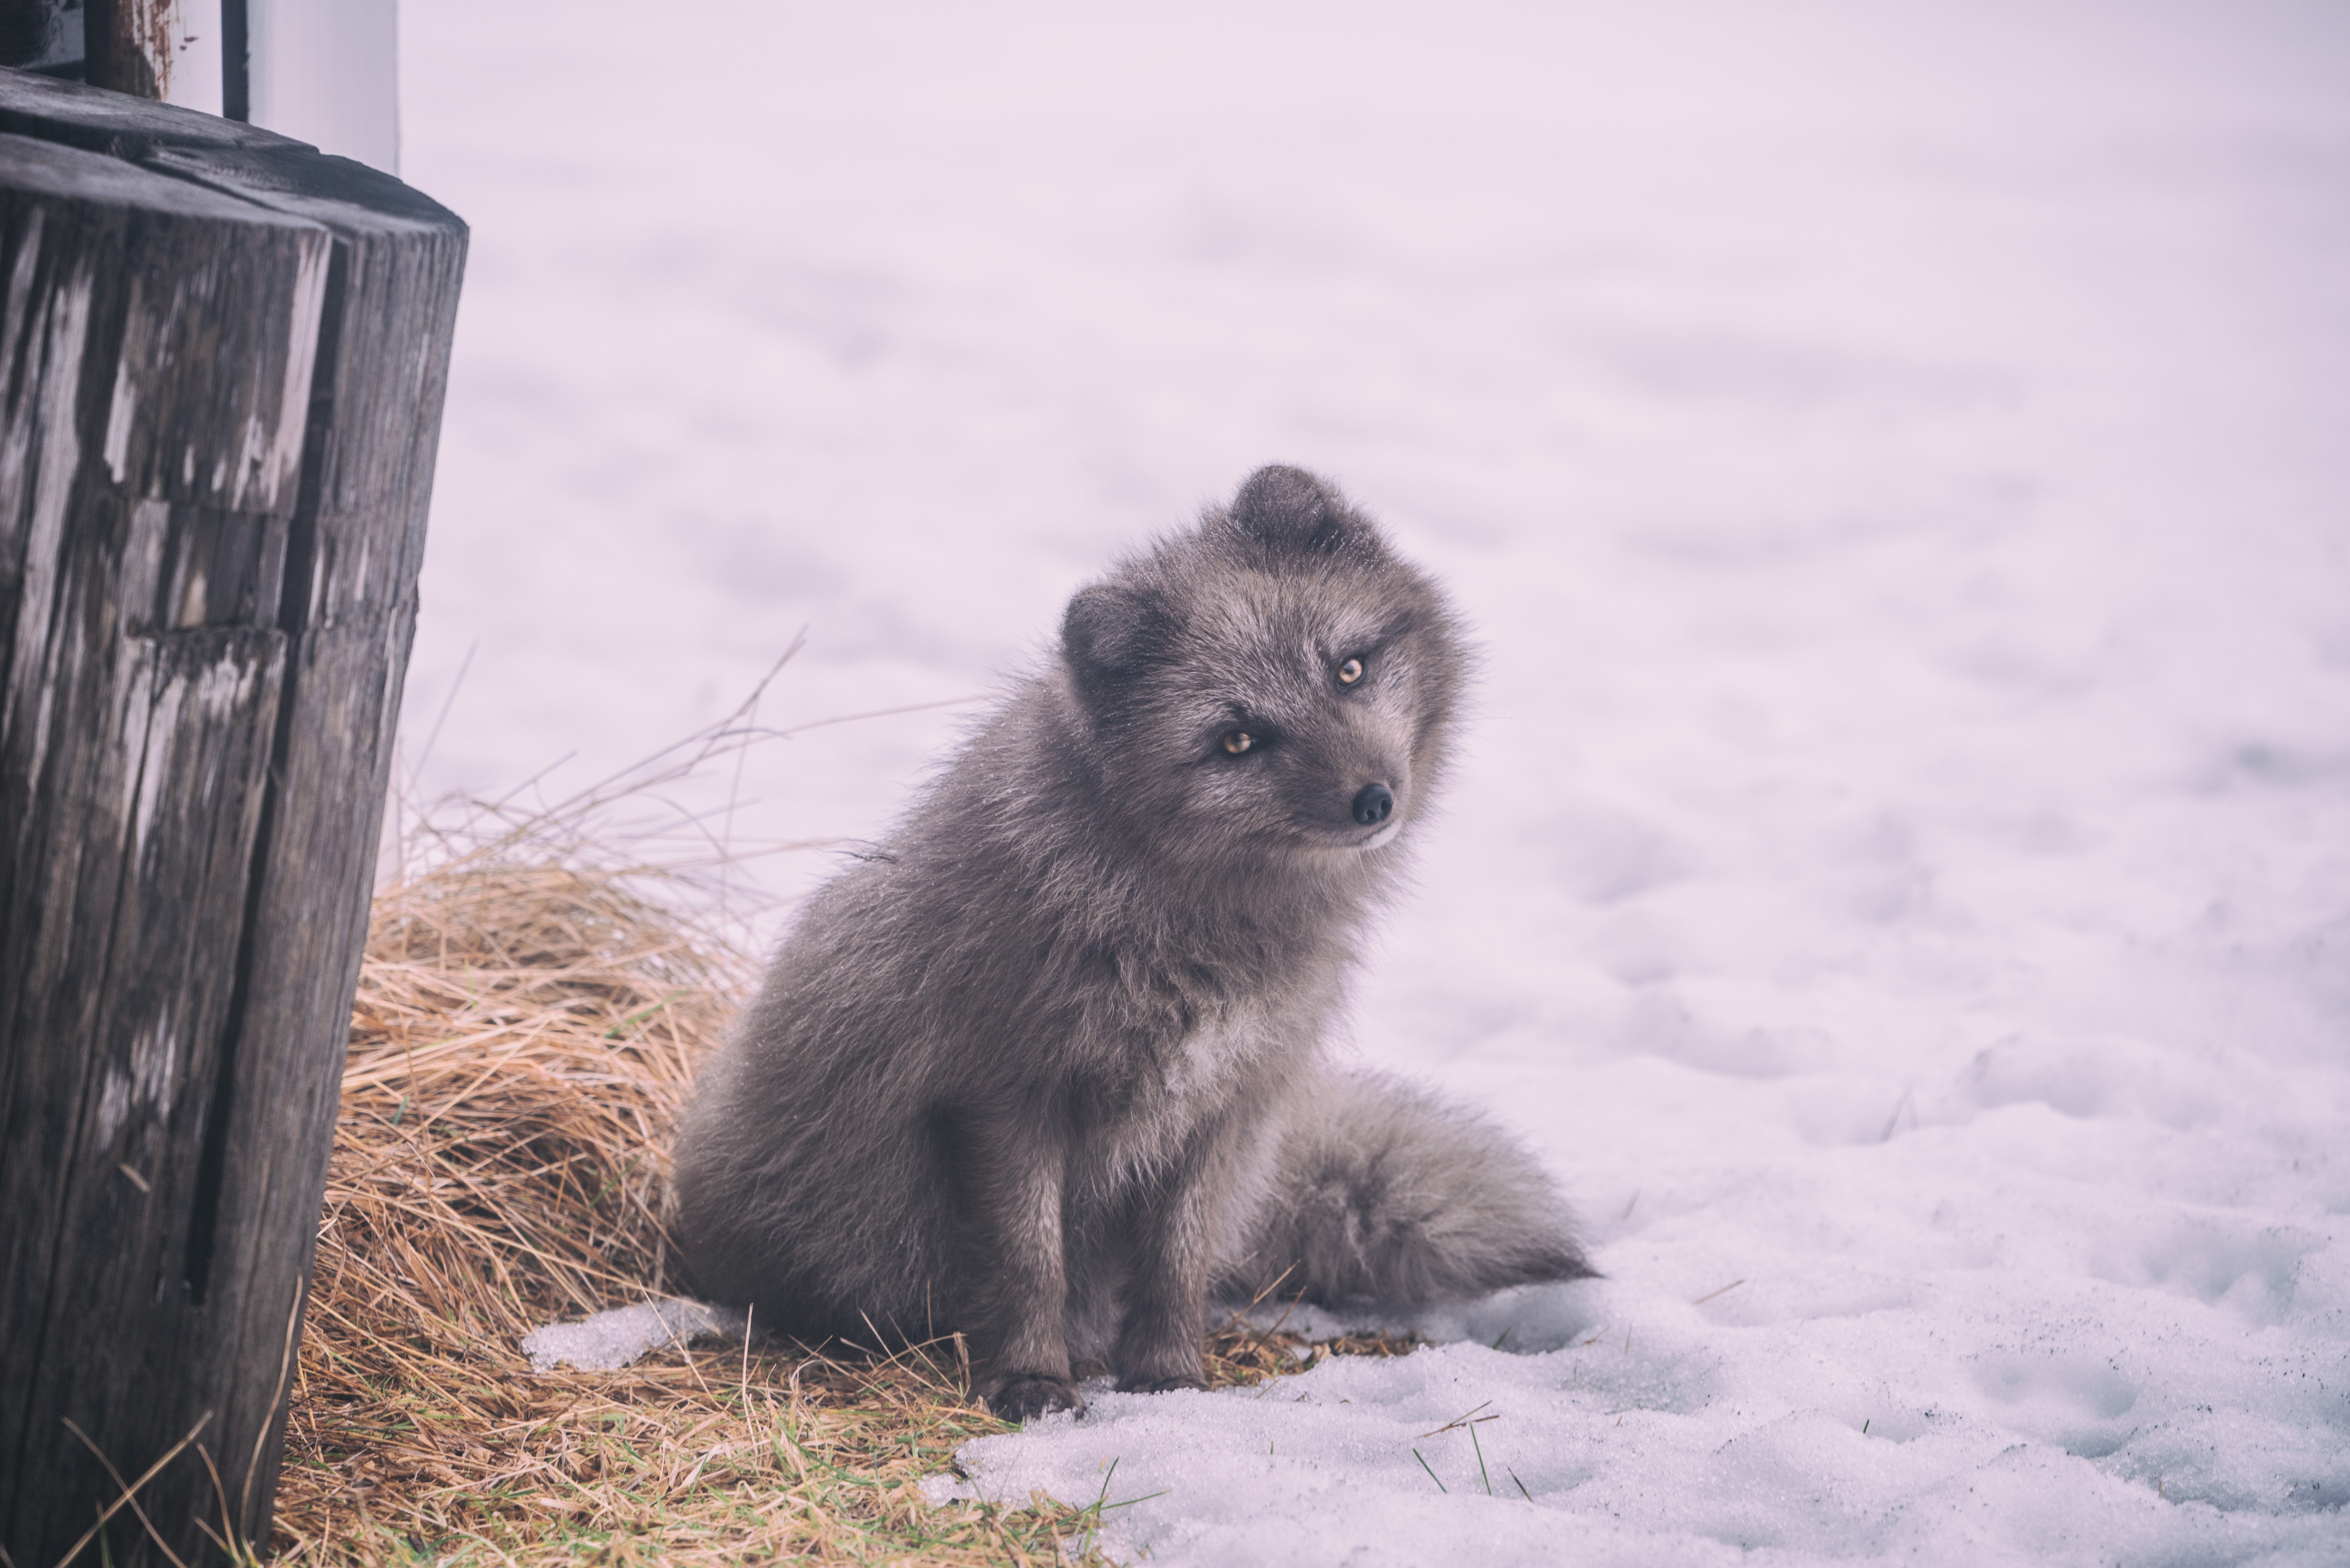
[(1362, 785)]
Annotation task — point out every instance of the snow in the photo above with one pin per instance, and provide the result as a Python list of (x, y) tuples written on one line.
[(1898, 873), (609, 1340)]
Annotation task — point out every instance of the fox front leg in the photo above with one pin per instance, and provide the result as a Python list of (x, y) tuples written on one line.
[(1008, 1177), (1162, 1338)]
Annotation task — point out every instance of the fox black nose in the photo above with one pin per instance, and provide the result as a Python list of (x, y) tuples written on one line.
[(1373, 803)]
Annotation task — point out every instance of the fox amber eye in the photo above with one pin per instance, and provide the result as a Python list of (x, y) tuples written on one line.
[(1350, 672), (1238, 741)]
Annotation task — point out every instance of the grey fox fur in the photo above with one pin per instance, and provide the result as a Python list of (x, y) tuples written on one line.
[(1047, 1067)]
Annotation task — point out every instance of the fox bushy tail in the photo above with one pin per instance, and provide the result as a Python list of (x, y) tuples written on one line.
[(1383, 1192)]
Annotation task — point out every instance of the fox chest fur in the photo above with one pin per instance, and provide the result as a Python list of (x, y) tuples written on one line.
[(1237, 1061), (1136, 1051)]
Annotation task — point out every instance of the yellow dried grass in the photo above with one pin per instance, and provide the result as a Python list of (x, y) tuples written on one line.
[(527, 1023)]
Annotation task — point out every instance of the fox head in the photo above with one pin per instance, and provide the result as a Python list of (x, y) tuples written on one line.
[(1277, 680)]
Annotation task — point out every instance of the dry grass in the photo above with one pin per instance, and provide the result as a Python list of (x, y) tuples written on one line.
[(528, 1018)]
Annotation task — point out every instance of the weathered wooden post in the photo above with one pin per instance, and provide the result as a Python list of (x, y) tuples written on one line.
[(222, 362)]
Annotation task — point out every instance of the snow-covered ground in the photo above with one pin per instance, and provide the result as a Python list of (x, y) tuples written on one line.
[(1897, 460)]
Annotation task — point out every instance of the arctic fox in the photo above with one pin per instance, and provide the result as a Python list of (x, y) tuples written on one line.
[(1047, 1069)]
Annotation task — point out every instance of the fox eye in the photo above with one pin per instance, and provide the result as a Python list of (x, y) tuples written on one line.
[(1238, 740), (1350, 672)]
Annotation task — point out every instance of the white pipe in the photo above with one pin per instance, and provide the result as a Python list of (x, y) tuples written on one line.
[(321, 71), (327, 72), (185, 49)]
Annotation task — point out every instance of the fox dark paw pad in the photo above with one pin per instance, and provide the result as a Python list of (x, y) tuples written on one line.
[(1161, 1385), (1030, 1395)]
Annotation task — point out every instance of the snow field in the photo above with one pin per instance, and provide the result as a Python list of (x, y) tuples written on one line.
[(1896, 869)]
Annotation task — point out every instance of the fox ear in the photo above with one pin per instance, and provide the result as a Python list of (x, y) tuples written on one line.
[(1288, 510), (1110, 631)]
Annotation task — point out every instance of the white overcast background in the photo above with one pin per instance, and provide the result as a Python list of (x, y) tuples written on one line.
[(1897, 460)]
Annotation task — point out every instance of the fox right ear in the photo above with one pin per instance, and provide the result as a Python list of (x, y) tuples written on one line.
[(1110, 631), (1286, 510)]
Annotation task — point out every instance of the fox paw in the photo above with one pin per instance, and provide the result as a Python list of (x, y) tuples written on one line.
[(1026, 1394)]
